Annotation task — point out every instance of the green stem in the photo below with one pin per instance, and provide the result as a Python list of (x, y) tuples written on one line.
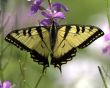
[(22, 73), (49, 1), (102, 76), (43, 73), (107, 10), (38, 81)]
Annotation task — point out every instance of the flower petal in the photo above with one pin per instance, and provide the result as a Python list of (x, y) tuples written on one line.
[(45, 22), (59, 15), (107, 37), (38, 2), (34, 9), (0, 84), (36, 6), (106, 49), (59, 6), (7, 84), (47, 15)]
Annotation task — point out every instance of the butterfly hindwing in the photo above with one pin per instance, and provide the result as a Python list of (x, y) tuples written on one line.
[(71, 37), (33, 39)]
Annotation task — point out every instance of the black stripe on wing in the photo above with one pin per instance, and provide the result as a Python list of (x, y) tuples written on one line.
[(66, 31)]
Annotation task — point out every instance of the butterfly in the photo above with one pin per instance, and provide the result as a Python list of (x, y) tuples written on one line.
[(58, 42)]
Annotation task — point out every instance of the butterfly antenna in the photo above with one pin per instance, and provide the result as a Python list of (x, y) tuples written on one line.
[(43, 73), (44, 69)]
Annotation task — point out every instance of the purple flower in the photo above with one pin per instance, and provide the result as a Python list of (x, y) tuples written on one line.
[(107, 37), (106, 49), (0, 84), (6, 84), (47, 22), (36, 6), (50, 17), (53, 14), (58, 7)]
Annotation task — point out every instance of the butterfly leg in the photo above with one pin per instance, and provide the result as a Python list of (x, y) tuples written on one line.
[(60, 69), (44, 69)]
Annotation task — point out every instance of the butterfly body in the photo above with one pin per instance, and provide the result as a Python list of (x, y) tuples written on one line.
[(60, 42), (53, 35)]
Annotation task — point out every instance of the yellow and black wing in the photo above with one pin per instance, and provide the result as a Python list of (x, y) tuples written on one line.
[(33, 39), (36, 40), (71, 37)]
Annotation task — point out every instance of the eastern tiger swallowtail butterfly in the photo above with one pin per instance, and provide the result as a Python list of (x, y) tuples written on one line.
[(60, 42)]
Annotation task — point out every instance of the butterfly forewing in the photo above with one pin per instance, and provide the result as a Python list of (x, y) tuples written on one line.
[(33, 39)]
